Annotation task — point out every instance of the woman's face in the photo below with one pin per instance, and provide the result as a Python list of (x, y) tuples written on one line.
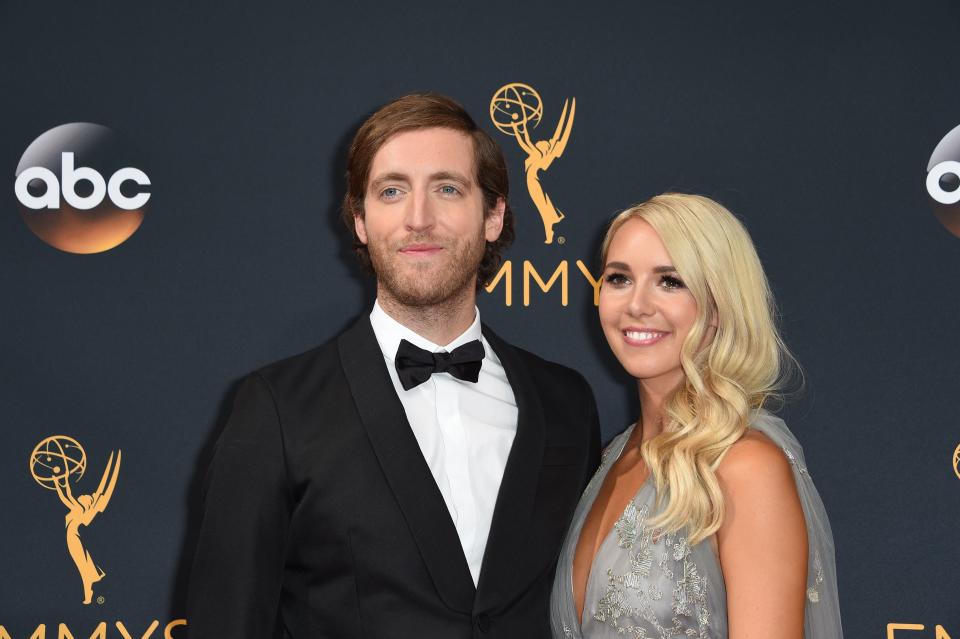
[(646, 310)]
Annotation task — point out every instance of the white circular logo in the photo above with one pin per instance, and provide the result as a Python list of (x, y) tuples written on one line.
[(78, 190), (943, 181)]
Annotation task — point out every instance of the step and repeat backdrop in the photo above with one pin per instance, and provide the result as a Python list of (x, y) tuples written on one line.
[(170, 222)]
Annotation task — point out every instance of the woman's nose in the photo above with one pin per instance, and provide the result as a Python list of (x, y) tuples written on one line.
[(641, 303)]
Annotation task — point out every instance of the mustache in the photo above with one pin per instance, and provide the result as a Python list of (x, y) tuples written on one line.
[(423, 238)]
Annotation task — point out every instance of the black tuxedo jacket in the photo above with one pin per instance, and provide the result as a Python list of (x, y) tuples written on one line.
[(322, 519)]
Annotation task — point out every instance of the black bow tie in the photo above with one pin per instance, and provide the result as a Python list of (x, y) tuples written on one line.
[(415, 365)]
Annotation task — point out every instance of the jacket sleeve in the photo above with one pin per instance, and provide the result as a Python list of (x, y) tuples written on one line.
[(234, 588)]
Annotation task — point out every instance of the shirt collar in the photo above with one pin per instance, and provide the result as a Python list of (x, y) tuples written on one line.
[(389, 332)]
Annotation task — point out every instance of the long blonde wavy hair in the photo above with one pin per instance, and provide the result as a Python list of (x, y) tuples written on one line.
[(741, 369)]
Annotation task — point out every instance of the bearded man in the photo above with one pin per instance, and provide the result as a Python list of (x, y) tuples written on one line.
[(415, 476)]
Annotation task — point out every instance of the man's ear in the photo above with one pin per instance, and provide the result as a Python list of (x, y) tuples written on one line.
[(493, 224), (360, 227)]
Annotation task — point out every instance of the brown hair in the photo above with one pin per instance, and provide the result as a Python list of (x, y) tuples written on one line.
[(422, 111)]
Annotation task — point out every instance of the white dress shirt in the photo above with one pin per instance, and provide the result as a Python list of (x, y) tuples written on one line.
[(464, 429)]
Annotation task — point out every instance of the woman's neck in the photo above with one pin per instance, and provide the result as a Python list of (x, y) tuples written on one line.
[(652, 399)]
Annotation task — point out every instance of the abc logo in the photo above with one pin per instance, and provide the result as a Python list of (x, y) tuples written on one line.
[(78, 189), (943, 181)]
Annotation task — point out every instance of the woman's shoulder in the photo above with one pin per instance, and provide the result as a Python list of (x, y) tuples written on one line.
[(754, 455), (755, 451), (757, 466)]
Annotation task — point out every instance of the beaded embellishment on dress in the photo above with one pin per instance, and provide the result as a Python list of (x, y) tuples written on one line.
[(637, 594)]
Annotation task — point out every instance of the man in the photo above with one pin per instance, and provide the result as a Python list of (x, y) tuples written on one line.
[(415, 476)]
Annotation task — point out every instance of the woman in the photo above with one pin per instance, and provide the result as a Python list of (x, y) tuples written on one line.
[(702, 520)]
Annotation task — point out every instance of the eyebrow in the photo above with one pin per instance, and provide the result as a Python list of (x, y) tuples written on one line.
[(452, 176), (622, 266), (380, 180)]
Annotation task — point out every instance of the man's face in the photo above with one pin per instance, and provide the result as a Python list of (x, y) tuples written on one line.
[(424, 222)]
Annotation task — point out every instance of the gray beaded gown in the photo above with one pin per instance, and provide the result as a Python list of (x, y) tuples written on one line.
[(648, 585)]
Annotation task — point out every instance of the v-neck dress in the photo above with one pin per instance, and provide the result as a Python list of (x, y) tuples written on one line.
[(647, 584)]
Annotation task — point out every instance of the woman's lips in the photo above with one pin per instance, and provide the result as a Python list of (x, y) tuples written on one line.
[(642, 336)]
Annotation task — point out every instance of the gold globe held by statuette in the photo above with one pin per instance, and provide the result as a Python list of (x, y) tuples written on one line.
[(515, 105), (56, 459)]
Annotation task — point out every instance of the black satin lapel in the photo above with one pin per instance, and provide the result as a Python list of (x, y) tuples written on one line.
[(404, 466), (509, 540)]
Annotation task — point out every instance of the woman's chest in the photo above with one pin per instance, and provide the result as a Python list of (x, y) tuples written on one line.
[(648, 583)]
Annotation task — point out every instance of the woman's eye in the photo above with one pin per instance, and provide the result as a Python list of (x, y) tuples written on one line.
[(671, 282), (616, 279)]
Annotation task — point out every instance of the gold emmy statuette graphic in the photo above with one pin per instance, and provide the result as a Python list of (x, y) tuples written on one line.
[(52, 463), (515, 109), (956, 461)]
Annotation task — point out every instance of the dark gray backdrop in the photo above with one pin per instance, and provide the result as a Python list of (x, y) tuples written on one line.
[(812, 123)]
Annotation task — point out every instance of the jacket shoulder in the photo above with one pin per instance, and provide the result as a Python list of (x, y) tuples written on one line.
[(541, 367), (299, 376), (542, 370), (319, 356)]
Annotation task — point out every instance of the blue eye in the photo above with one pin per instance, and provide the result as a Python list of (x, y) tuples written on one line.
[(390, 192), (447, 189)]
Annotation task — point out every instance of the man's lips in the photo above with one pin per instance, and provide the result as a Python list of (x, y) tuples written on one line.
[(418, 250), (642, 336)]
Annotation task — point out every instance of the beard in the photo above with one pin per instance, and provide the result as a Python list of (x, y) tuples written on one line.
[(419, 285)]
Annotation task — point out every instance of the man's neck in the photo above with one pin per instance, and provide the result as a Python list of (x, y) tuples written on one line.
[(440, 323)]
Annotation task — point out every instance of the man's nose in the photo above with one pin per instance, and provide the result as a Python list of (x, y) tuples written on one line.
[(420, 215)]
